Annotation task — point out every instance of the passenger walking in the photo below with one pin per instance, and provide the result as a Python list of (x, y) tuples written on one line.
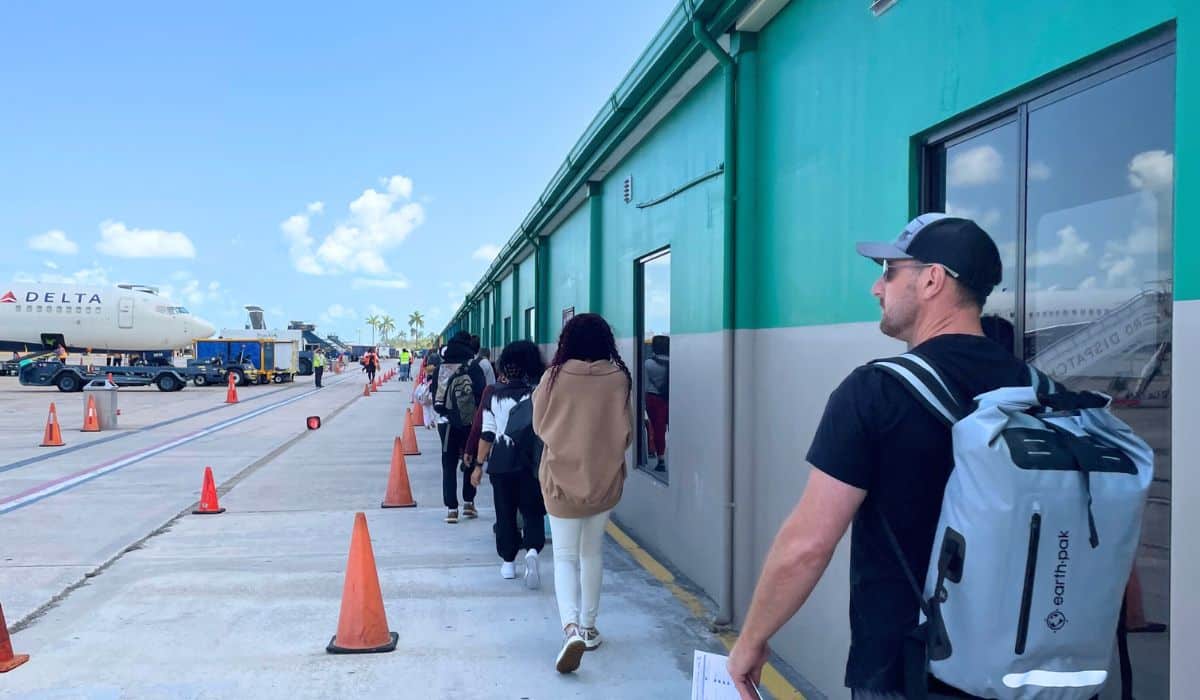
[(318, 365), (458, 387), (881, 459), (424, 396), (657, 371), (371, 364), (582, 414), (485, 363), (511, 450), (405, 365)]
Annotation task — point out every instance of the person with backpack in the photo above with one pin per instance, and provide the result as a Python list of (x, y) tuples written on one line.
[(582, 413), (458, 387), (512, 452), (884, 459), (370, 364)]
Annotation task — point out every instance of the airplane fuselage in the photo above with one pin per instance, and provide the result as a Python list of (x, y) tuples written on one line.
[(113, 319)]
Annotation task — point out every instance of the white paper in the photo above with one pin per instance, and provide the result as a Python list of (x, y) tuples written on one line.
[(710, 679)]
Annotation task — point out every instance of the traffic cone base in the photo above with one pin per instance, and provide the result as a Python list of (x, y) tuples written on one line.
[(91, 421), (399, 491), (362, 621), (8, 660), (208, 496), (53, 434)]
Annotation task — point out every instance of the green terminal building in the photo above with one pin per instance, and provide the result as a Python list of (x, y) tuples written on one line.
[(716, 199)]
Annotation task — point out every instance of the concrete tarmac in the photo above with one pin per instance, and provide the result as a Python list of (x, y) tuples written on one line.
[(117, 591)]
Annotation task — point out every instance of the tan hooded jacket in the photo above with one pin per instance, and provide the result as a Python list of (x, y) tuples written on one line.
[(585, 424)]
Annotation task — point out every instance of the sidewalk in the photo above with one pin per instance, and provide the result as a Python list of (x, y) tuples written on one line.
[(242, 604)]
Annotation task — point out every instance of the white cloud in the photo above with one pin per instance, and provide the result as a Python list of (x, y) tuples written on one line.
[(1039, 171), (987, 219), (54, 241), (315, 207), (367, 283), (337, 311), (458, 292), (378, 221), (50, 264), (1143, 241), (486, 252), (1071, 250), (1152, 170), (94, 276), (980, 165), (120, 241), (1121, 270)]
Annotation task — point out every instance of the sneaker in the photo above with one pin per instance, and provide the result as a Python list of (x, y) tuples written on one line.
[(533, 577), (572, 651), (469, 511), (452, 516), (508, 570), (590, 636)]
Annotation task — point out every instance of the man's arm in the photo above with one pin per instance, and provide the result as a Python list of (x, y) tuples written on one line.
[(794, 564)]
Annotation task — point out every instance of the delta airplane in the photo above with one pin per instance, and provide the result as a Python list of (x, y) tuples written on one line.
[(124, 318)]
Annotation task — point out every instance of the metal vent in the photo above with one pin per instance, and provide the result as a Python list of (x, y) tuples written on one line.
[(628, 189), (878, 7)]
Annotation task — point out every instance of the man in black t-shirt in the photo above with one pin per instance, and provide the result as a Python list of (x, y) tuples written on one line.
[(879, 454)]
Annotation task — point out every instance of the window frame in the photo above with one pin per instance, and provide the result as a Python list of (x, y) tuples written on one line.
[(1016, 108), (641, 460)]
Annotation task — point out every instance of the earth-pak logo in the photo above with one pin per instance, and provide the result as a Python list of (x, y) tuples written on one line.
[(1057, 620), (8, 298)]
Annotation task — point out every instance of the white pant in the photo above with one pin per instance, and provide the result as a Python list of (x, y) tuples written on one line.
[(578, 559)]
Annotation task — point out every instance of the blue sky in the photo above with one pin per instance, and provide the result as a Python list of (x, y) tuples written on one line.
[(325, 161)]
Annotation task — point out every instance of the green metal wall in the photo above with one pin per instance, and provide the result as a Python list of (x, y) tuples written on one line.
[(567, 284), (841, 97), (687, 144)]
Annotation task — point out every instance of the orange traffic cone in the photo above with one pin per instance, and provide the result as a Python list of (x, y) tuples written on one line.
[(399, 491), (231, 393), (362, 623), (418, 414), (8, 660), (208, 496), (367, 389), (91, 421), (410, 436), (53, 436)]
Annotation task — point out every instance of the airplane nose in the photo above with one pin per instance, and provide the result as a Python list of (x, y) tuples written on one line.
[(203, 328)]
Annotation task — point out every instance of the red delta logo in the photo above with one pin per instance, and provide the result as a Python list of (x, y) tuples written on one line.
[(8, 298)]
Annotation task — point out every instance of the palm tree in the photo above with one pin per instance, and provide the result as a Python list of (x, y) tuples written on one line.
[(373, 322), (387, 324), (416, 322)]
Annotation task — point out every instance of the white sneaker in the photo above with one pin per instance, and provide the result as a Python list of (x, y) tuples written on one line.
[(508, 570), (572, 651), (533, 577)]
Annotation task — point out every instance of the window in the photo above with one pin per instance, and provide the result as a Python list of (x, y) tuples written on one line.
[(39, 308), (653, 319), (78, 309), (1076, 185), (507, 330), (530, 317)]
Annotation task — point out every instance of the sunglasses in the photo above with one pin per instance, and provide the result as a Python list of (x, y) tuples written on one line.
[(890, 269)]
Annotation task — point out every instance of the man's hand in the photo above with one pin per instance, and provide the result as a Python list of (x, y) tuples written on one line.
[(477, 476), (745, 666)]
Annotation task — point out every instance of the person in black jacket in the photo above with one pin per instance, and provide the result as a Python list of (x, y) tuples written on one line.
[(456, 356), (513, 452)]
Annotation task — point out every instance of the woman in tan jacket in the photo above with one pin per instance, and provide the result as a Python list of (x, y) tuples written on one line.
[(581, 412)]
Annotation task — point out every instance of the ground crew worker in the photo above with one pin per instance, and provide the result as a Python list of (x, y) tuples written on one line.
[(318, 365), (405, 365)]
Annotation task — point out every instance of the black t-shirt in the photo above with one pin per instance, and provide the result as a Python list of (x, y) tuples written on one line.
[(875, 436)]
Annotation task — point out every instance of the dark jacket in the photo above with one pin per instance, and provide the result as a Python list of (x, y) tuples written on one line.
[(458, 352)]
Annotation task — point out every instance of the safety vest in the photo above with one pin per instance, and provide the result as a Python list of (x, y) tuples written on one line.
[(318, 359), (405, 358)]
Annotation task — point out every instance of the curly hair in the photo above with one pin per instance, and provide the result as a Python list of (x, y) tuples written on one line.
[(521, 359), (589, 338)]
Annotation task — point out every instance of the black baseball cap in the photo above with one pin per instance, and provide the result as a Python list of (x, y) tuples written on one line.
[(966, 251)]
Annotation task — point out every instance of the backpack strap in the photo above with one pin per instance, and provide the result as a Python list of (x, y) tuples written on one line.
[(922, 380)]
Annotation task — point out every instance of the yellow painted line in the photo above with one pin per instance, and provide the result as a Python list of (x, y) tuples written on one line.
[(772, 680)]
